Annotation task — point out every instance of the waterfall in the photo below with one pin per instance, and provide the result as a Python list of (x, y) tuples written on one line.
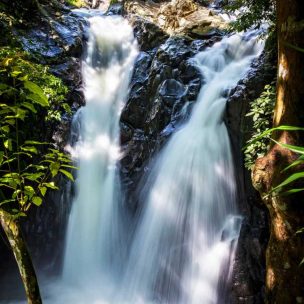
[(189, 225), (186, 231), (93, 245)]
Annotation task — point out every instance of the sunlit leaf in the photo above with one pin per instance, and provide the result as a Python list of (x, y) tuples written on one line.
[(54, 167), (43, 190), (37, 91), (37, 200), (280, 128), (8, 144), (67, 174), (295, 149), (50, 185), (31, 149), (29, 190)]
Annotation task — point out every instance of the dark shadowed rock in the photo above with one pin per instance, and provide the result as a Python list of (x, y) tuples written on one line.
[(248, 277), (148, 34), (53, 40)]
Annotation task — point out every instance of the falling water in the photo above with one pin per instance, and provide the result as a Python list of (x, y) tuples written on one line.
[(93, 246), (188, 228)]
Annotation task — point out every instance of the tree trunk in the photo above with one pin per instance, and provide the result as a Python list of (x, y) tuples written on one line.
[(285, 278), (19, 248)]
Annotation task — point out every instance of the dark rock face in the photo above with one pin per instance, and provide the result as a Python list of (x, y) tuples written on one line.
[(164, 85), (147, 33), (54, 40), (248, 278)]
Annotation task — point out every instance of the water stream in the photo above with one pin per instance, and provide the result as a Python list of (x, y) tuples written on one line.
[(187, 229), (189, 225)]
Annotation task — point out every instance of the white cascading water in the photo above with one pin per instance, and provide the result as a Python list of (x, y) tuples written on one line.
[(93, 246), (188, 228)]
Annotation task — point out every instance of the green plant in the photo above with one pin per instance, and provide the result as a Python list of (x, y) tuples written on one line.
[(52, 87), (77, 3), (261, 111), (282, 188), (252, 13), (27, 166)]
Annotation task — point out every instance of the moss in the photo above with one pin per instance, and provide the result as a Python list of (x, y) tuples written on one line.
[(76, 3)]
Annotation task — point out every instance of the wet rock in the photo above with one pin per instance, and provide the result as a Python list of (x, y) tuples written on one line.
[(55, 39), (164, 88), (171, 91), (115, 9), (148, 34), (248, 277), (175, 50), (141, 69)]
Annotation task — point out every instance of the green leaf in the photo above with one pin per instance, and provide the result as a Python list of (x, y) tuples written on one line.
[(20, 114), (16, 192), (37, 200), (1, 157), (267, 132), (8, 144), (67, 174), (293, 46), (289, 180), (37, 99), (295, 149), (29, 106), (43, 190), (15, 73), (54, 167), (6, 201), (3, 87), (37, 91), (50, 185), (292, 191), (300, 231), (30, 149), (5, 129), (297, 162), (33, 142), (28, 190), (33, 176), (69, 166)]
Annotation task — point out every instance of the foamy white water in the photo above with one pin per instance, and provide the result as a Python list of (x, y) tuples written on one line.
[(94, 242), (188, 228)]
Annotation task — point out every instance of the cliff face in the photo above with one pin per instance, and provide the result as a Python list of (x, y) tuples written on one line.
[(248, 280)]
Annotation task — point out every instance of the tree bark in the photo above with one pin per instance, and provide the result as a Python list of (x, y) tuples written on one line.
[(12, 230), (285, 278)]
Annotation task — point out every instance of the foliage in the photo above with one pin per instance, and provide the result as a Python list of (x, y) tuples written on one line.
[(26, 173), (261, 111), (298, 163), (252, 13), (77, 3), (53, 87)]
